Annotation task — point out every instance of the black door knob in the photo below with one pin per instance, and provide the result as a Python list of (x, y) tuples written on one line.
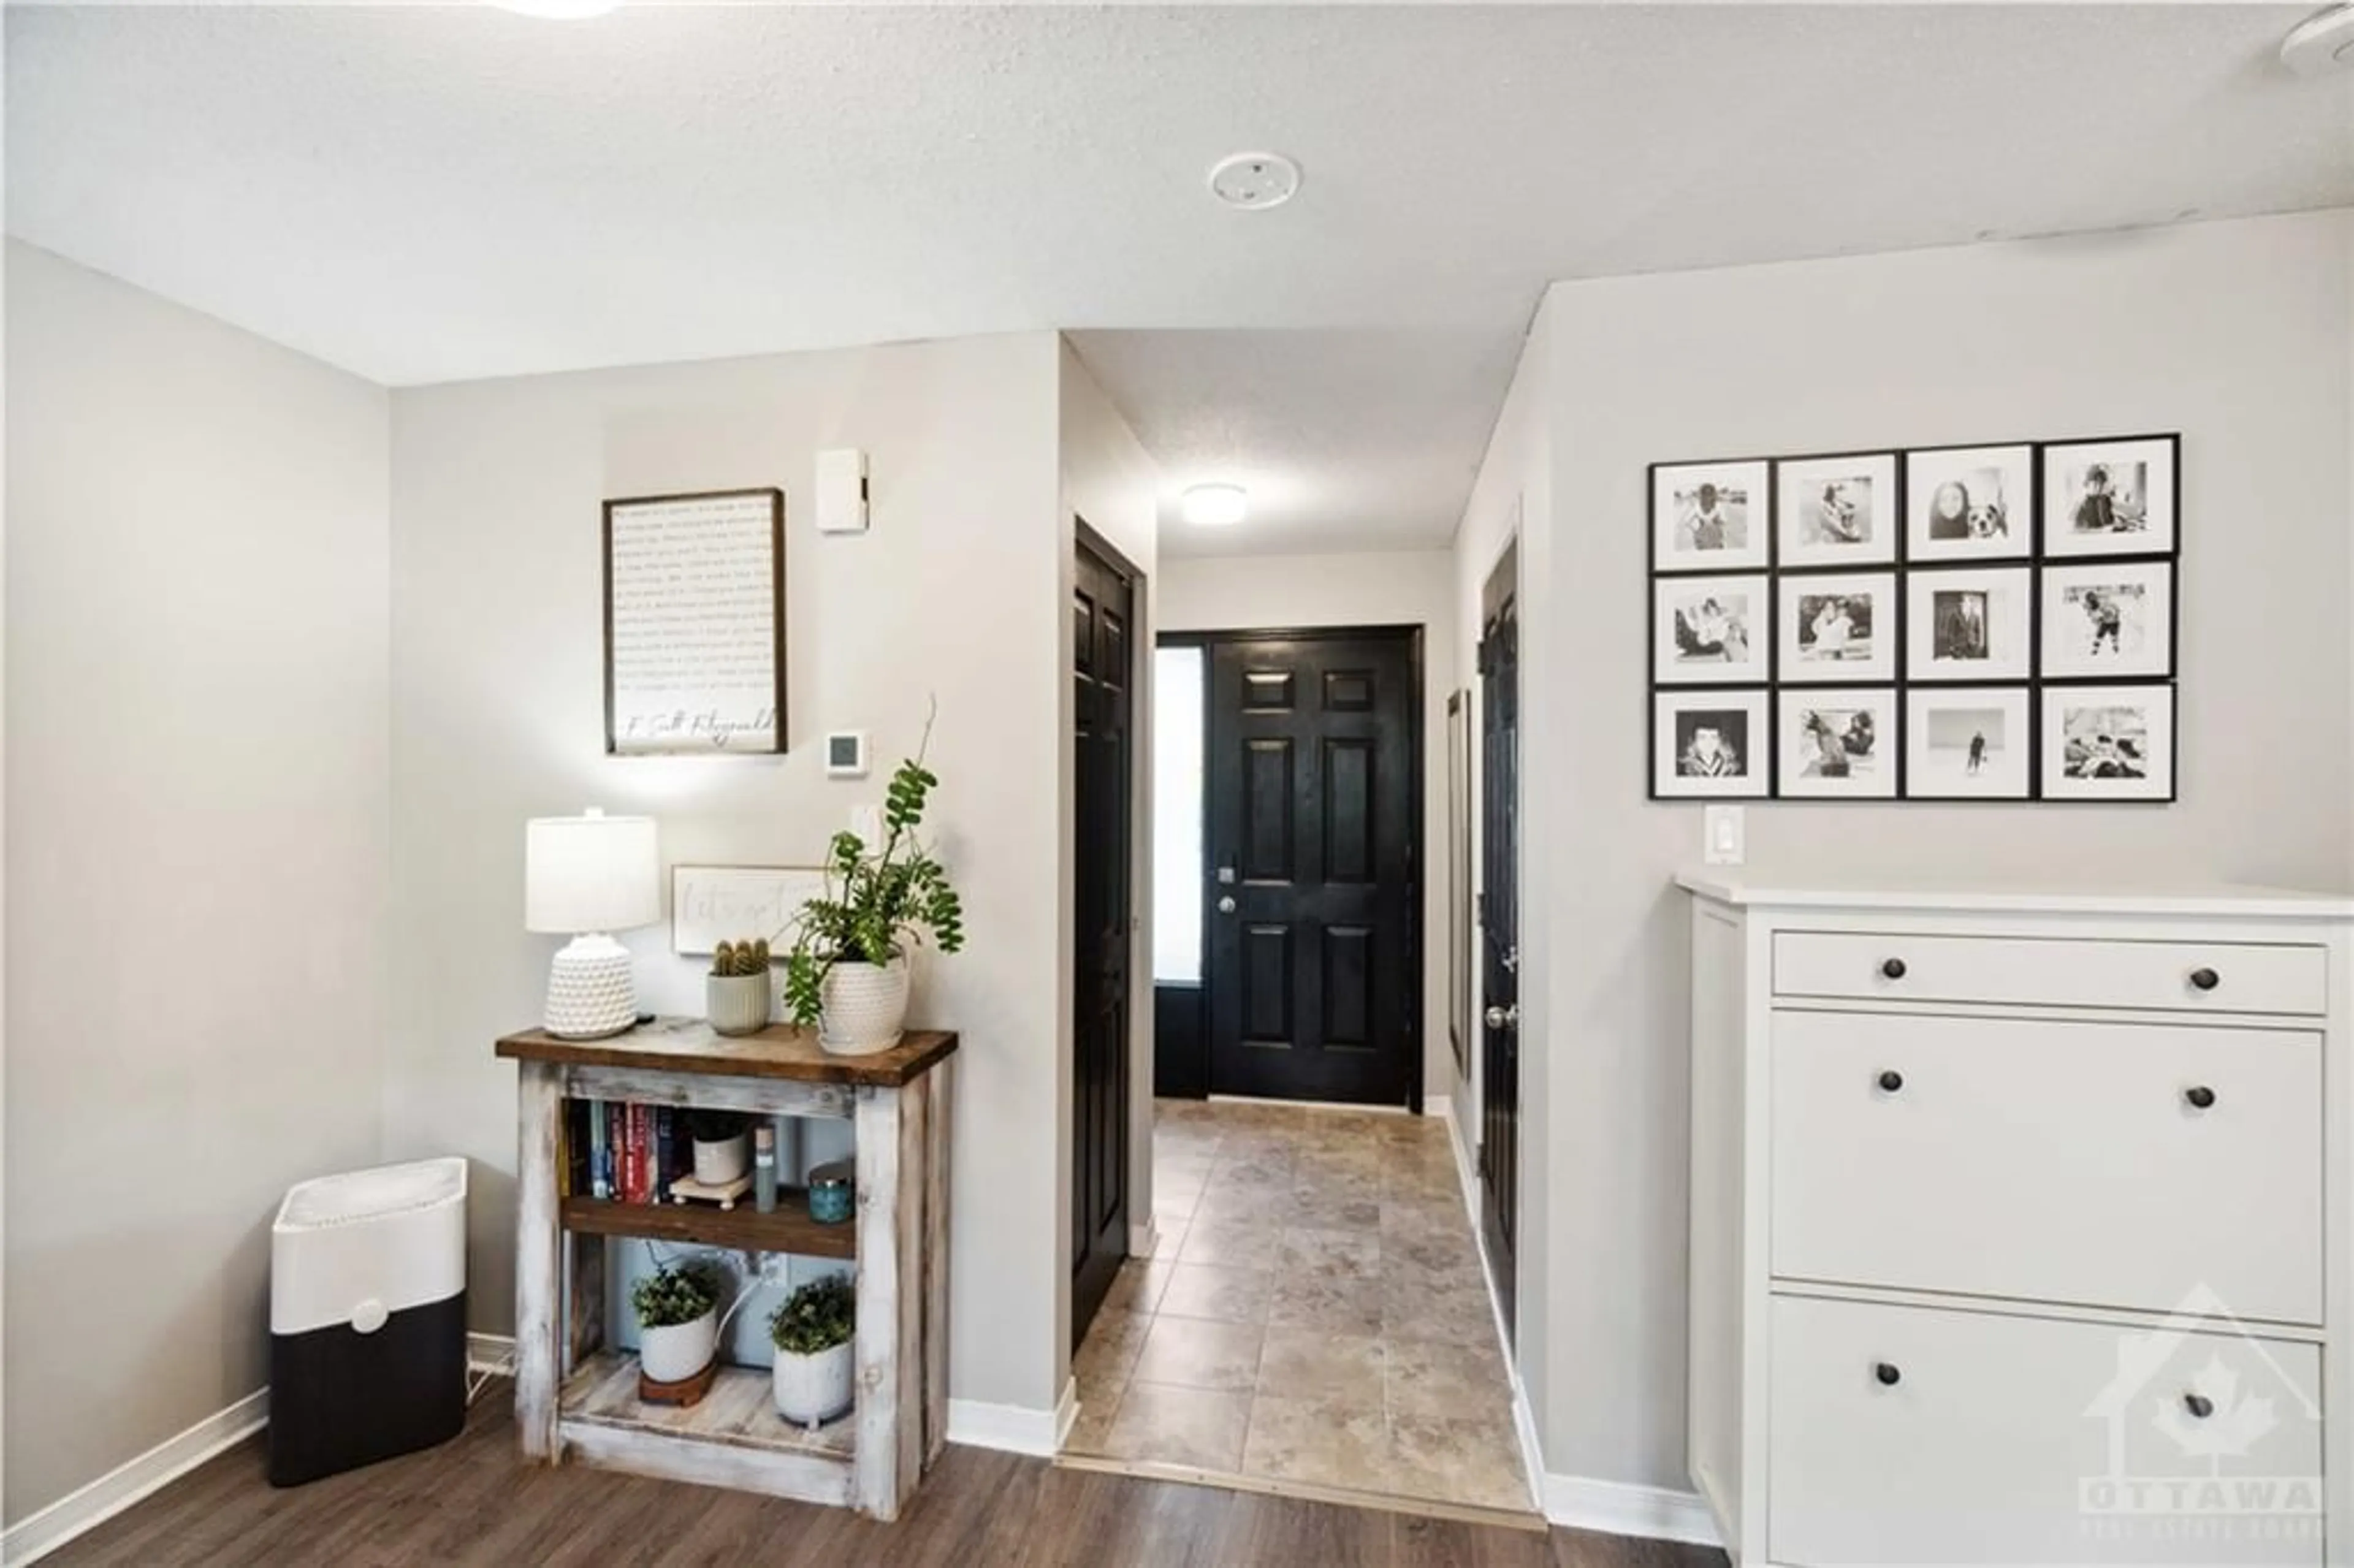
[(2200, 1095), (1893, 969), (2198, 1405), (1888, 1375), (2205, 979), (1891, 1081)]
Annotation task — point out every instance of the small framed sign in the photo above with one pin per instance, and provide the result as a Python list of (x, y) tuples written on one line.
[(714, 904), (695, 623)]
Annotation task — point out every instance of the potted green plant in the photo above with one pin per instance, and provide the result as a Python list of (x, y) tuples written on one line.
[(736, 996), (812, 1332), (847, 970), (677, 1308), (722, 1140)]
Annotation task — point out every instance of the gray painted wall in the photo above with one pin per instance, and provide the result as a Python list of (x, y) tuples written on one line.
[(197, 668), (2234, 333)]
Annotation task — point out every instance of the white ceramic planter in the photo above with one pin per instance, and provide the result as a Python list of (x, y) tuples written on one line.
[(863, 1007), (813, 1390), (736, 1004), (716, 1164), (678, 1352)]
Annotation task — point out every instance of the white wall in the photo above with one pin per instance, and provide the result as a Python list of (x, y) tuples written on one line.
[(497, 716), (1414, 588), (2236, 333), (198, 827), (1109, 483)]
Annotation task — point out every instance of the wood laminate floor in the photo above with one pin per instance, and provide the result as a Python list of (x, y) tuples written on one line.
[(473, 1501)]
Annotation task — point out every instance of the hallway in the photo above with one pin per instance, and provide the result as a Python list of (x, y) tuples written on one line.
[(1313, 1319)]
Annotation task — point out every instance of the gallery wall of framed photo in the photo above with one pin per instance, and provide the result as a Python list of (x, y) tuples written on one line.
[(1931, 623)]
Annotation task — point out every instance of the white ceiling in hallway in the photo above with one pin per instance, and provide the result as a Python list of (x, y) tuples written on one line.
[(434, 192)]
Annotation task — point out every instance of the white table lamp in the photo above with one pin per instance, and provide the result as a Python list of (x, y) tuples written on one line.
[(587, 877)]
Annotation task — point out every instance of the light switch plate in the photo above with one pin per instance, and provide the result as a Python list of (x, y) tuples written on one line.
[(866, 822), (841, 490), (1725, 832)]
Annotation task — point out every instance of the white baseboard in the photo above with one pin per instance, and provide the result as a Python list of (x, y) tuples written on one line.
[(1142, 1239), (490, 1352), (37, 1535), (1620, 1508), (1525, 1422), (1015, 1428)]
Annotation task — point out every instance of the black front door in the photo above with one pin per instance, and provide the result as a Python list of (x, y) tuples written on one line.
[(1102, 650), (1312, 902), (1500, 921)]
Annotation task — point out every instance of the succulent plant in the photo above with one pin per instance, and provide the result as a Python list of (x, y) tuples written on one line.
[(819, 1315), (679, 1293), (706, 1126), (746, 958)]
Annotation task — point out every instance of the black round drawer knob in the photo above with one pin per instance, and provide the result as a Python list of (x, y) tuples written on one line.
[(1893, 969), (2200, 1095), (2205, 979), (1891, 1081), (2198, 1405), (1888, 1375)]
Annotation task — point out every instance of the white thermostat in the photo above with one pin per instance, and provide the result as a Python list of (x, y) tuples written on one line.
[(845, 755)]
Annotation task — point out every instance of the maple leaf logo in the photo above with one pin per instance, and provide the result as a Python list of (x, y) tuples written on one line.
[(2233, 1425)]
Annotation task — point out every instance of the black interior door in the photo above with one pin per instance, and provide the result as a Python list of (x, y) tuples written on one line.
[(1102, 651), (1499, 920), (1314, 972)]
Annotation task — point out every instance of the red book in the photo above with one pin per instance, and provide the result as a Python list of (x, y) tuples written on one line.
[(637, 1154)]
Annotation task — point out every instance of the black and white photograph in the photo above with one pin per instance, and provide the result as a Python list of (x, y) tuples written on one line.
[(1969, 625), (1839, 744), (2110, 497), (1709, 517), (1969, 504), (2108, 743), (1838, 626), (2110, 620), (1966, 743), (1710, 630), (1837, 511), (1711, 745)]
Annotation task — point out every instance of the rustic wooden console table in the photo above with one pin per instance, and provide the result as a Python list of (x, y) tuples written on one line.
[(577, 1400)]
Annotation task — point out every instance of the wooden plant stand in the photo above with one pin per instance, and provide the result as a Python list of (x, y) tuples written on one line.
[(577, 1401)]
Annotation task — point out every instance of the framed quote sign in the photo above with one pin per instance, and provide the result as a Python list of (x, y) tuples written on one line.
[(695, 623)]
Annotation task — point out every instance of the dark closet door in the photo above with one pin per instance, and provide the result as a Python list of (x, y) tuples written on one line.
[(1102, 651), (1500, 919), (1314, 967)]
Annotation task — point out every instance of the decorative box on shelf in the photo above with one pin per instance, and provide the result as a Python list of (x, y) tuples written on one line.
[(578, 1400)]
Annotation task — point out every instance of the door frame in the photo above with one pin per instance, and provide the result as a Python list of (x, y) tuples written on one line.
[(1136, 1176), (1415, 636)]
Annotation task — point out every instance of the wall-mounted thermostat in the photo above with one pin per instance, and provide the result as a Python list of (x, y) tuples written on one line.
[(841, 490), (845, 755)]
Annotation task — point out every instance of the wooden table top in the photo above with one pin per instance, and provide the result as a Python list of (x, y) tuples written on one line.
[(780, 1051)]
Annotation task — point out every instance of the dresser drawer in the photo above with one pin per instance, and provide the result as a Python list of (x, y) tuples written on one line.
[(2016, 1440), (2189, 977), (2058, 1160)]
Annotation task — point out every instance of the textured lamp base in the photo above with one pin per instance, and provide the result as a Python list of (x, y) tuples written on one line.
[(589, 990)]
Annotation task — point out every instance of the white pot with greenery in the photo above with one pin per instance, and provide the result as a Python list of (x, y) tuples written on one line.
[(678, 1321), (722, 1142), (736, 994), (812, 1333), (847, 970)]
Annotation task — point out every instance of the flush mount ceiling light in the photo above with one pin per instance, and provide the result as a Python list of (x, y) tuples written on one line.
[(558, 10), (1255, 180), (2321, 43), (1215, 506)]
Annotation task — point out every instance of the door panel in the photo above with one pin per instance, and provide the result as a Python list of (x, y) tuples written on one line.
[(1314, 948), (1500, 919), (1103, 619)]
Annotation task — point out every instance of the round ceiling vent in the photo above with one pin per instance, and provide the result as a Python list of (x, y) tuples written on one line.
[(2321, 43), (1255, 180)]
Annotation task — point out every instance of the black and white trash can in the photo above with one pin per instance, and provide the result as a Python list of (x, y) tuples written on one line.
[(367, 1317)]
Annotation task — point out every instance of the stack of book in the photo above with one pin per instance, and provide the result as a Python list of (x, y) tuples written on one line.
[(625, 1153)]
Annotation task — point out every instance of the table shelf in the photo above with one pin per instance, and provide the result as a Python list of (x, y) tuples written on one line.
[(787, 1228)]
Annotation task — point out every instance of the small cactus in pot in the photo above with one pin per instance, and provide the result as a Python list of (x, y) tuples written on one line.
[(736, 993)]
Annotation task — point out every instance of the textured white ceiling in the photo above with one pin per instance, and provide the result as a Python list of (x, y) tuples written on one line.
[(435, 193)]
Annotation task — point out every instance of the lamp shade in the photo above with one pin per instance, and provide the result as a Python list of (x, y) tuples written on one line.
[(591, 873)]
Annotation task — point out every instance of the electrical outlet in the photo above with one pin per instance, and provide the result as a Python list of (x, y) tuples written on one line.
[(1724, 832)]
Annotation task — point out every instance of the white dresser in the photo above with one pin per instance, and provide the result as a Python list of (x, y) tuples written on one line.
[(2020, 1226)]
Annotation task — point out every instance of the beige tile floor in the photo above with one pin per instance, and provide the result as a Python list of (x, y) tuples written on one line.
[(1314, 1313)]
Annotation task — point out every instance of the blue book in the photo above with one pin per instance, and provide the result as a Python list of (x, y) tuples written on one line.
[(600, 1154), (660, 1185)]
